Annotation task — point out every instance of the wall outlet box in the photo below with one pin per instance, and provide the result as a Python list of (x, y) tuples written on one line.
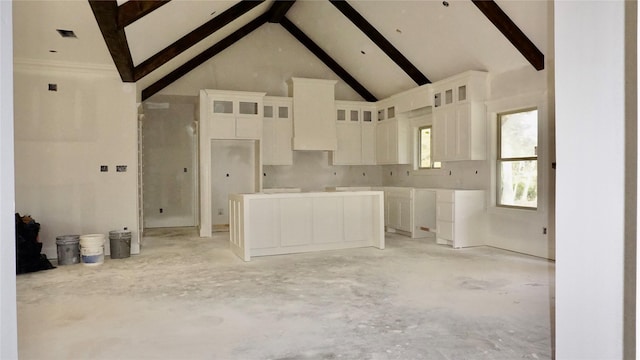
[(104, 168), (121, 168)]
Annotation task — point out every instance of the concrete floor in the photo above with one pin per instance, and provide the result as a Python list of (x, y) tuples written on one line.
[(190, 298)]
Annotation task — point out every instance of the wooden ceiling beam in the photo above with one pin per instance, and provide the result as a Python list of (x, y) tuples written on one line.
[(361, 23), (106, 14), (204, 56), (194, 37), (133, 10), (511, 31), (279, 9), (326, 59)]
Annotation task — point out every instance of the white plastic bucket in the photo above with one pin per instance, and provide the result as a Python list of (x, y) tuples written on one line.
[(92, 249)]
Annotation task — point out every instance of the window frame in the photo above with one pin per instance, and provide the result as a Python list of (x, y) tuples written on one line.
[(432, 164), (500, 160)]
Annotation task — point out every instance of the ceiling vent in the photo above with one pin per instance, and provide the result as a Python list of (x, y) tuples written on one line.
[(66, 33)]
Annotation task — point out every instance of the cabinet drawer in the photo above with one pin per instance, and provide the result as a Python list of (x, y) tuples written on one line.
[(444, 229), (444, 196), (444, 211)]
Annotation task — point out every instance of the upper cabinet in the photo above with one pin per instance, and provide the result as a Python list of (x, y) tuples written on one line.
[(314, 124), (231, 114), (459, 117), (392, 135), (277, 131), (386, 109), (355, 127)]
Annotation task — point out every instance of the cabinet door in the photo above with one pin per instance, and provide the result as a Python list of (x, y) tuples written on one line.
[(451, 133), (223, 127), (349, 150), (269, 141), (282, 149), (463, 132), (248, 127), (404, 222), (394, 215), (444, 133), (387, 142), (276, 134), (439, 135), (382, 143), (368, 132)]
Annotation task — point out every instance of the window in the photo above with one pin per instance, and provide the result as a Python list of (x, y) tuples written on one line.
[(517, 162), (425, 149)]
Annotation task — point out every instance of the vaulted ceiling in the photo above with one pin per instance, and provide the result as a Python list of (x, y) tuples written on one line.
[(376, 47)]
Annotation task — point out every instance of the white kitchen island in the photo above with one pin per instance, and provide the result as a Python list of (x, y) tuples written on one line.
[(285, 223)]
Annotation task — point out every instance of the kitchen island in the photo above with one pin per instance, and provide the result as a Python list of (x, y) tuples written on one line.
[(284, 223)]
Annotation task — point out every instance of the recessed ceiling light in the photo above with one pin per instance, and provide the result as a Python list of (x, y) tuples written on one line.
[(445, 3), (53, 51), (362, 52), (66, 33), (213, 13), (399, 31)]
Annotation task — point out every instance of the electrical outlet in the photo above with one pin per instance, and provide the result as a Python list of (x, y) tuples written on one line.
[(220, 211), (544, 231)]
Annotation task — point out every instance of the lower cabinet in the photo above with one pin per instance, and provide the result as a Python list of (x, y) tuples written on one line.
[(286, 223), (410, 211), (460, 218)]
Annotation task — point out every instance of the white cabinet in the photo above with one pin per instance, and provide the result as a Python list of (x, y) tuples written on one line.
[(231, 114), (285, 223), (277, 130), (314, 125), (225, 115), (392, 135), (413, 99), (392, 142), (355, 127), (460, 218), (459, 118), (410, 211)]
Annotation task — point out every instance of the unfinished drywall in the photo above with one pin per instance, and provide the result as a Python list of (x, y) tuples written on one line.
[(169, 161), (233, 171), (281, 57), (62, 138), (312, 171), (528, 231), (8, 313)]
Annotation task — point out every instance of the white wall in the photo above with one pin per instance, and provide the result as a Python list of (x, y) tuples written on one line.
[(522, 230), (8, 327), (62, 138), (590, 112)]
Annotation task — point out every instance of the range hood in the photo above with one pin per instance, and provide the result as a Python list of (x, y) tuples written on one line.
[(314, 125)]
